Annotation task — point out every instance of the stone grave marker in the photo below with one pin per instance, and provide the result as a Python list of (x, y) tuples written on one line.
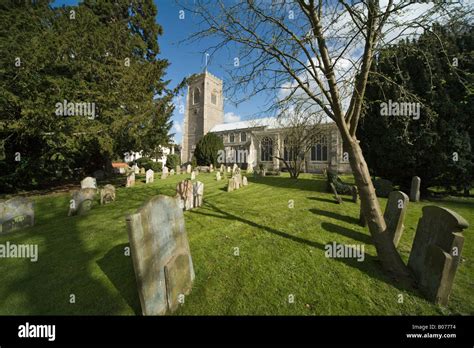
[(107, 194), (161, 256), (231, 185), (198, 193), (142, 171), (211, 168), (89, 182), (244, 181), (178, 169), (81, 201), (16, 213), (218, 176), (394, 214), (415, 189), (184, 191), (436, 251), (172, 172), (130, 180), (135, 169), (149, 176), (188, 169), (193, 175)]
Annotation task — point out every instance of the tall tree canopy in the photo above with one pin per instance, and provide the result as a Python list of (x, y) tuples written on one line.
[(436, 71), (101, 53)]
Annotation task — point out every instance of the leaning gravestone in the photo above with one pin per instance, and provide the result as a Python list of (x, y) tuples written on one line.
[(184, 191), (218, 176), (15, 214), (415, 189), (198, 193), (89, 182), (383, 187), (436, 251), (130, 180), (244, 181), (161, 256), (394, 214), (107, 194), (149, 176), (81, 201), (334, 191)]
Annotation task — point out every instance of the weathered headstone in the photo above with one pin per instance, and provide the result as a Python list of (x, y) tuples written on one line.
[(172, 172), (237, 181), (415, 189), (234, 168), (383, 187), (89, 182), (222, 168), (184, 191), (394, 214), (218, 176), (198, 193), (244, 181), (135, 169), (107, 194), (436, 251), (164, 173), (336, 196), (250, 169), (81, 201), (15, 214), (161, 256), (130, 180), (142, 171), (149, 176), (228, 169), (193, 175), (211, 168), (188, 169), (178, 169), (231, 184)]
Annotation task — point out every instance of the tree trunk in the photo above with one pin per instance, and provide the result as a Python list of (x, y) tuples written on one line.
[(386, 251)]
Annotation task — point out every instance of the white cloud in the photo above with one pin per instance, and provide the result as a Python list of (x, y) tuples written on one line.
[(177, 127), (230, 117)]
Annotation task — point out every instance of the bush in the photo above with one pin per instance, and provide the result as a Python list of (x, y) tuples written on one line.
[(147, 163), (207, 149), (172, 161)]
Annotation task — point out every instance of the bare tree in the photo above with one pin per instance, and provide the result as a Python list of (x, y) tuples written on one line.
[(323, 50)]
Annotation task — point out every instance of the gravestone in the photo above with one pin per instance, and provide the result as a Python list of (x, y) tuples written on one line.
[(336, 196), (149, 176), (264, 172), (16, 213), (211, 168), (188, 169), (99, 174), (222, 168), (135, 169), (81, 201), (142, 171), (164, 173), (178, 169), (160, 253), (193, 175), (415, 189), (130, 180), (184, 191), (218, 176), (198, 193), (383, 187), (244, 181), (234, 168), (394, 214), (172, 172), (231, 185), (436, 251), (228, 169), (89, 182), (107, 194), (237, 181)]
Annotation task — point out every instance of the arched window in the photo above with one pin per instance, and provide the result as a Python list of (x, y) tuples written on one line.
[(243, 136), (266, 149), (196, 95), (214, 98), (231, 138), (319, 151)]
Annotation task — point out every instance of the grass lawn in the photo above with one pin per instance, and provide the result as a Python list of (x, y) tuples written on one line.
[(281, 253)]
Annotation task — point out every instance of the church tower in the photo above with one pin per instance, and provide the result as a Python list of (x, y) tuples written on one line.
[(204, 109)]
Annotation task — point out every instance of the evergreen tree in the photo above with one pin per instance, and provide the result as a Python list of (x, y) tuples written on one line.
[(207, 149)]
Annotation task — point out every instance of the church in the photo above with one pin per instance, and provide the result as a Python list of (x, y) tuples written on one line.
[(253, 143)]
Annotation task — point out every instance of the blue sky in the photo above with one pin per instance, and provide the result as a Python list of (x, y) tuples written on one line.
[(189, 58)]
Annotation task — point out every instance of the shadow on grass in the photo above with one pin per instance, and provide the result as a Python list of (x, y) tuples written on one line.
[(371, 265), (336, 216), (119, 269), (363, 238), (305, 184)]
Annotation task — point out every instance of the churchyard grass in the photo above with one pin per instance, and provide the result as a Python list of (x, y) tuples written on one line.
[(280, 253)]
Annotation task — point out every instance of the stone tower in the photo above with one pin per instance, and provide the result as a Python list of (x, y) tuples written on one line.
[(204, 109)]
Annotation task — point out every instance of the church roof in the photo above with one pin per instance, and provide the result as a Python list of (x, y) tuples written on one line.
[(268, 122)]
